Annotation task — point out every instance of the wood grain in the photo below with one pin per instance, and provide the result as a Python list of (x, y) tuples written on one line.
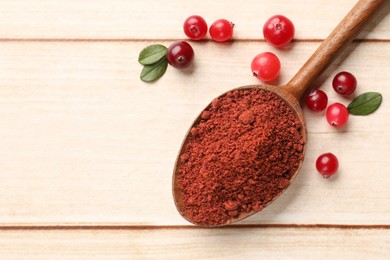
[(83, 140), (87, 149), (151, 19), (251, 243)]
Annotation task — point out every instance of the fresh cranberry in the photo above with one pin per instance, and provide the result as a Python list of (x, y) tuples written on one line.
[(195, 27), (317, 100), (180, 54), (278, 30), (344, 83), (265, 66), (327, 164), (221, 30), (337, 115)]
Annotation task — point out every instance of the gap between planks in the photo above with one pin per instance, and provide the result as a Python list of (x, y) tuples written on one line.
[(158, 227)]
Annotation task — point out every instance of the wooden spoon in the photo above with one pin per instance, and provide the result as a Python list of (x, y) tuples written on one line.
[(295, 90)]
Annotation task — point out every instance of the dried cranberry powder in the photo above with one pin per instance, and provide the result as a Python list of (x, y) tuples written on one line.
[(241, 155)]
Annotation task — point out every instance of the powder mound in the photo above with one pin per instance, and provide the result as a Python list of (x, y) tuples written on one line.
[(240, 156), (247, 117)]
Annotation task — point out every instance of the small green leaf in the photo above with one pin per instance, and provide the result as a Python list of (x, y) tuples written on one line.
[(152, 72), (365, 103), (152, 54)]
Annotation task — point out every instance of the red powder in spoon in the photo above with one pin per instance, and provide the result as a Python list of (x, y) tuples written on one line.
[(240, 156)]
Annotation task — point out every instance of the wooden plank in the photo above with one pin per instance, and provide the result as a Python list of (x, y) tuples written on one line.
[(83, 140), (150, 19), (248, 243)]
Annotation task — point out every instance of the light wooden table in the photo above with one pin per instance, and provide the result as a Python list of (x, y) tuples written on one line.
[(87, 149)]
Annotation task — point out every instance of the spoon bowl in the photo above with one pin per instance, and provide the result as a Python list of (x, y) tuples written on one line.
[(292, 94), (295, 107)]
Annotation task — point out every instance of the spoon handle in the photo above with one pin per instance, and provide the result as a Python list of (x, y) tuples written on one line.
[(347, 29)]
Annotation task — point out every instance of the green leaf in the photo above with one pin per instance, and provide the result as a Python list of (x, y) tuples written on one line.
[(365, 103), (152, 54), (152, 72)]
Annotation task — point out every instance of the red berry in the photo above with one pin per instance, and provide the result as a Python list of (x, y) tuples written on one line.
[(180, 54), (195, 27), (344, 83), (317, 100), (278, 30), (327, 164), (337, 115), (265, 66), (221, 30)]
